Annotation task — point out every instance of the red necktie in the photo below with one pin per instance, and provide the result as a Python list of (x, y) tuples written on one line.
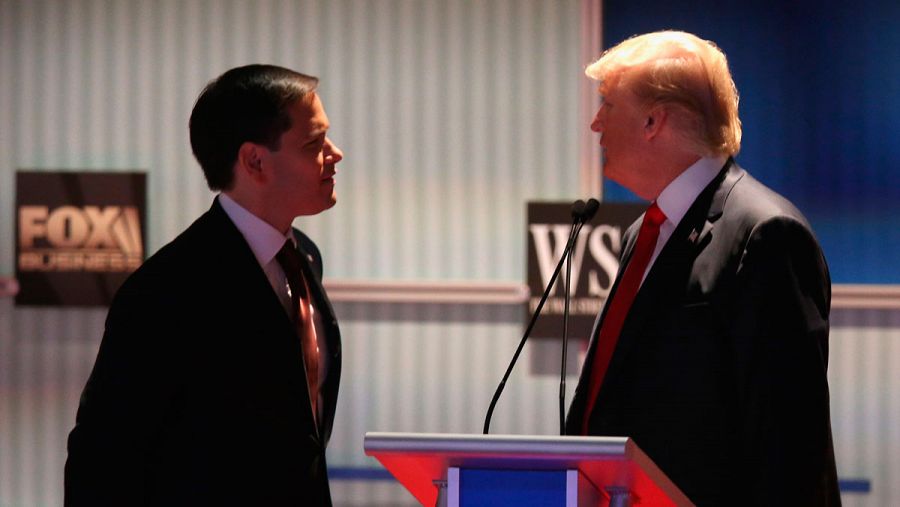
[(621, 302), (291, 263)]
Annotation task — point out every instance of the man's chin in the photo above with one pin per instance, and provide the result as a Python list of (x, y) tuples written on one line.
[(328, 203), (323, 205)]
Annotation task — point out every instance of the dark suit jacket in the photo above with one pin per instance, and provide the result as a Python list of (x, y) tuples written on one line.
[(198, 395), (719, 373)]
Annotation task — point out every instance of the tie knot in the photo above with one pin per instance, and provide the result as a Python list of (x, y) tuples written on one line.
[(292, 265), (289, 259), (286, 249), (654, 215)]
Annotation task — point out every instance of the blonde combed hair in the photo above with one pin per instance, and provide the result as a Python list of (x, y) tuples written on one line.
[(684, 73)]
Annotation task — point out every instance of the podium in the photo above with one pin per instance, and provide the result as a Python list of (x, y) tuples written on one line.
[(456, 470)]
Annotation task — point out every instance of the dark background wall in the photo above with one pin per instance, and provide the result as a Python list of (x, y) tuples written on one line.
[(820, 104)]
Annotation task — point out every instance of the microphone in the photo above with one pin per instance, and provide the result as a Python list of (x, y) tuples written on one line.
[(590, 209), (584, 214), (578, 209)]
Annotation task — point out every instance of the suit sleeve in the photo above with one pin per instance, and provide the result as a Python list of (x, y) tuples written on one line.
[(123, 406), (780, 328)]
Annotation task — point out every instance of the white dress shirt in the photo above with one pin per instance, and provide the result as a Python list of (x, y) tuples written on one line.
[(676, 199), (265, 241)]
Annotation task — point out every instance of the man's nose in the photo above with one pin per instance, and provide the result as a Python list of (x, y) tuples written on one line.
[(596, 125), (333, 154)]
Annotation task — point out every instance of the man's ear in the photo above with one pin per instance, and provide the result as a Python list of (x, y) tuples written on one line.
[(654, 121), (250, 161)]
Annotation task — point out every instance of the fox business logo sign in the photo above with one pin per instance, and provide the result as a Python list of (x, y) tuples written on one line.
[(87, 238), (78, 235), (595, 263)]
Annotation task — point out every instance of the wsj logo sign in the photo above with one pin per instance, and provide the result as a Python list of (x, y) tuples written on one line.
[(78, 235), (595, 262), (88, 238), (603, 242)]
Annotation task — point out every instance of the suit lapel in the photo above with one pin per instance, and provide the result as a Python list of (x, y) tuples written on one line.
[(315, 286), (237, 262), (332, 337), (692, 234), (627, 249)]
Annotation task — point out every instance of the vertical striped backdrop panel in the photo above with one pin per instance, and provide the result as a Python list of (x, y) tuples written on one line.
[(452, 114)]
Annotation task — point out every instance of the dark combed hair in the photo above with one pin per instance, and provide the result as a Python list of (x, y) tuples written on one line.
[(245, 104)]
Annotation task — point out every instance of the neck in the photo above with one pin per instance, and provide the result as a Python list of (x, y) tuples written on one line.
[(667, 169), (256, 205)]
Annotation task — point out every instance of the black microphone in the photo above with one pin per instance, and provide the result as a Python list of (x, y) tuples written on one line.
[(585, 213), (590, 209), (578, 209)]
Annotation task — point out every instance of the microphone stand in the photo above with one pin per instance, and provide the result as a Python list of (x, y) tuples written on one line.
[(577, 211), (565, 346), (590, 209)]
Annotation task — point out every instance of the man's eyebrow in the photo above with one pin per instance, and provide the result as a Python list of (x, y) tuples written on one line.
[(318, 131)]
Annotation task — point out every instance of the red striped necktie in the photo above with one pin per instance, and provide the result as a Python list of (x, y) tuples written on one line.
[(620, 304), (291, 263)]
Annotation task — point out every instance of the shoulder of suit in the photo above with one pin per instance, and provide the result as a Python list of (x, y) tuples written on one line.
[(752, 202), (172, 271)]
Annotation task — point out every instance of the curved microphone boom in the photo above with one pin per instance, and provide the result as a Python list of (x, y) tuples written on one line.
[(578, 211)]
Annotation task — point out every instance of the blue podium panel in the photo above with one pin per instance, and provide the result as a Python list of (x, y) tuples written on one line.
[(521, 488)]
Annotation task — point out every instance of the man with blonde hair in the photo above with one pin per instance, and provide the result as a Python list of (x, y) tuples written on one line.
[(711, 351)]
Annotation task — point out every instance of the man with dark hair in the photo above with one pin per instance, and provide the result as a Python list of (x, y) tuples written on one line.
[(712, 349), (217, 376)]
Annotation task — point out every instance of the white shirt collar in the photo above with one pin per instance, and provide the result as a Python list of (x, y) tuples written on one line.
[(680, 194), (265, 241)]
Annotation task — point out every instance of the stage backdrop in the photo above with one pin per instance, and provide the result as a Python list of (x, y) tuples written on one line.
[(453, 115)]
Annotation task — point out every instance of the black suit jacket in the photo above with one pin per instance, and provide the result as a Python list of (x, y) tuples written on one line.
[(719, 373), (198, 395)]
